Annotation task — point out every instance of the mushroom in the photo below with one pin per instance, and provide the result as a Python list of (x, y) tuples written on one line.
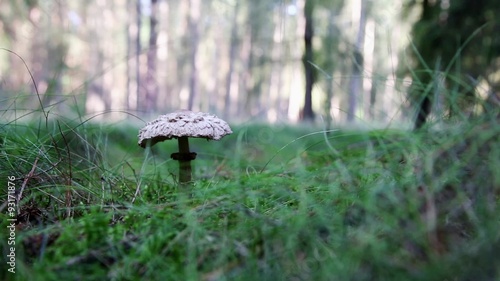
[(182, 125)]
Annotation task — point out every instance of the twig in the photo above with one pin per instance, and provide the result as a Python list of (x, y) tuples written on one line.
[(30, 175), (137, 190)]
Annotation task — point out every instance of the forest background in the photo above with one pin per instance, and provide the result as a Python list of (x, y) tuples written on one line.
[(276, 61)]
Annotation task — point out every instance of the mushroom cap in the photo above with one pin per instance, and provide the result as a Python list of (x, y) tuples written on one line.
[(184, 123)]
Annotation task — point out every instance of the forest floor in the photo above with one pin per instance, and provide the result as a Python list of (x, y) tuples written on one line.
[(266, 203)]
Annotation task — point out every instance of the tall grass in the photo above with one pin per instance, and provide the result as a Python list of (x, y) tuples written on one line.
[(284, 203)]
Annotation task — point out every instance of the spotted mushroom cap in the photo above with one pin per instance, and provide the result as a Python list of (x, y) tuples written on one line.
[(183, 123)]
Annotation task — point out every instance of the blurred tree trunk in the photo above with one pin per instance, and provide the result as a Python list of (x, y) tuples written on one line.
[(214, 89), (356, 83), (232, 57), (134, 24), (138, 47), (328, 104), (96, 60), (247, 61), (49, 50), (131, 92), (379, 75), (274, 104), (193, 18), (307, 111), (151, 77), (177, 53), (249, 42), (330, 47)]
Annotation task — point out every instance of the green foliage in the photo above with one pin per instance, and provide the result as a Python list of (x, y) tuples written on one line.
[(268, 203), (454, 48)]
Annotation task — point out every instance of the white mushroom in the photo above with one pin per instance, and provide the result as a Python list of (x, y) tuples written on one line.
[(183, 125)]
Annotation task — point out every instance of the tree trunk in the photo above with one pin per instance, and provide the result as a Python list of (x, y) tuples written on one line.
[(331, 44), (307, 112), (275, 104), (130, 35), (232, 56), (137, 54), (193, 18), (378, 80), (356, 83), (151, 82), (246, 80)]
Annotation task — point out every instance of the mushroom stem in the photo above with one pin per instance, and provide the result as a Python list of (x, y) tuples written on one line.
[(184, 161)]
